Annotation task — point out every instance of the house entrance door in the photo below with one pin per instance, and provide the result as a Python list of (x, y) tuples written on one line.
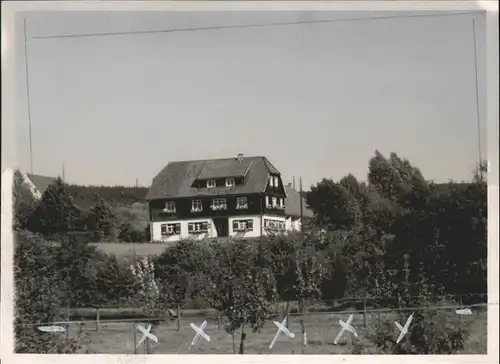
[(222, 226)]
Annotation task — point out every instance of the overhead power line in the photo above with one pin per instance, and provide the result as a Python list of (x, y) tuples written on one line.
[(221, 27), (477, 100), (28, 93)]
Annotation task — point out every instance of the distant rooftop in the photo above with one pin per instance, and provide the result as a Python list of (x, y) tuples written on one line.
[(292, 207), (41, 182)]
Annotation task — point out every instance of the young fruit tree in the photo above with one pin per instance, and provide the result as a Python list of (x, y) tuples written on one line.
[(148, 293), (299, 268), (240, 286), (180, 270)]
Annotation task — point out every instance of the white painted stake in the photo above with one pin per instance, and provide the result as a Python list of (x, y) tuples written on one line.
[(281, 328)]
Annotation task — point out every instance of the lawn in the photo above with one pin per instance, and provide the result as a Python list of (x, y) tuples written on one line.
[(118, 338), (129, 250)]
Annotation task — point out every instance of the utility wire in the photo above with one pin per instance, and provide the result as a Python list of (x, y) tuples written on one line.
[(343, 299), (28, 92), (221, 27), (477, 100)]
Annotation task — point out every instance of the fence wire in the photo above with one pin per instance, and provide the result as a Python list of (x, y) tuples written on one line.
[(121, 336)]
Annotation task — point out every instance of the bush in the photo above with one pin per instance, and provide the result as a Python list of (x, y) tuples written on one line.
[(430, 332), (38, 296)]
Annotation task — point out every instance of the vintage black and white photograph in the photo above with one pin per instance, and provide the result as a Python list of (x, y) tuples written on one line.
[(250, 182)]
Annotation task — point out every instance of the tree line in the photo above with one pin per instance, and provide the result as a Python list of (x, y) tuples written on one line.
[(396, 236), (113, 195), (119, 216)]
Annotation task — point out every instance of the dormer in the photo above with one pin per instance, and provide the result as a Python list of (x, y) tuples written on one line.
[(274, 181), (227, 182)]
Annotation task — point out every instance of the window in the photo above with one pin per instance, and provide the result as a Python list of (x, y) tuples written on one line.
[(196, 206), (170, 229), (267, 201), (276, 182), (198, 227), (169, 207), (274, 224), (271, 181), (242, 225), (282, 202), (230, 182), (211, 183), (275, 203), (219, 204), (241, 203)]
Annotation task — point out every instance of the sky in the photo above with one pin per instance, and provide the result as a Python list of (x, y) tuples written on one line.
[(317, 99)]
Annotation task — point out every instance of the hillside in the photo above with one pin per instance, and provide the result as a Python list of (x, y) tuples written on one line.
[(116, 196)]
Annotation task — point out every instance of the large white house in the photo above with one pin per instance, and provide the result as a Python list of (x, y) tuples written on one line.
[(233, 197)]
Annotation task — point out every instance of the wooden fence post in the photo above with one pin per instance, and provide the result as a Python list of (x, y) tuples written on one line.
[(303, 312), (135, 337), (67, 324), (287, 314), (219, 320), (178, 318), (97, 319), (461, 307), (365, 319)]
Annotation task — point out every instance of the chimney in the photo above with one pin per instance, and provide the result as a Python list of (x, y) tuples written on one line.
[(239, 157)]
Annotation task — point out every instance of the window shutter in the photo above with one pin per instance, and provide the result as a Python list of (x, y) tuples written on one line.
[(250, 225), (204, 226), (163, 229), (235, 225), (177, 228)]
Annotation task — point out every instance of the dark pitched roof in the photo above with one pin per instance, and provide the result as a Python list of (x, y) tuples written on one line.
[(176, 179), (41, 182), (225, 168), (292, 207)]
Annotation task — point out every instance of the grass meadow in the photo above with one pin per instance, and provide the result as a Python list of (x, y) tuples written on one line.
[(119, 337), (129, 250)]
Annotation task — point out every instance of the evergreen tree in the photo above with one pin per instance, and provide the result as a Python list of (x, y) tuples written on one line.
[(101, 219), (55, 213), (24, 201)]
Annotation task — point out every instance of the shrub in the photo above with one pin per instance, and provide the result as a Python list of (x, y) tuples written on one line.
[(430, 332), (114, 282), (38, 296)]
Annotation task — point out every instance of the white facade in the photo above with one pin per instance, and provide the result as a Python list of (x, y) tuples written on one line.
[(266, 221), (156, 230), (293, 224)]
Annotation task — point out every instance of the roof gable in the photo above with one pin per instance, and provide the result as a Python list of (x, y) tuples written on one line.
[(292, 207), (41, 182), (176, 179)]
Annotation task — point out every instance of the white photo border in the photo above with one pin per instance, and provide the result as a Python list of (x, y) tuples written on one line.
[(9, 10)]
